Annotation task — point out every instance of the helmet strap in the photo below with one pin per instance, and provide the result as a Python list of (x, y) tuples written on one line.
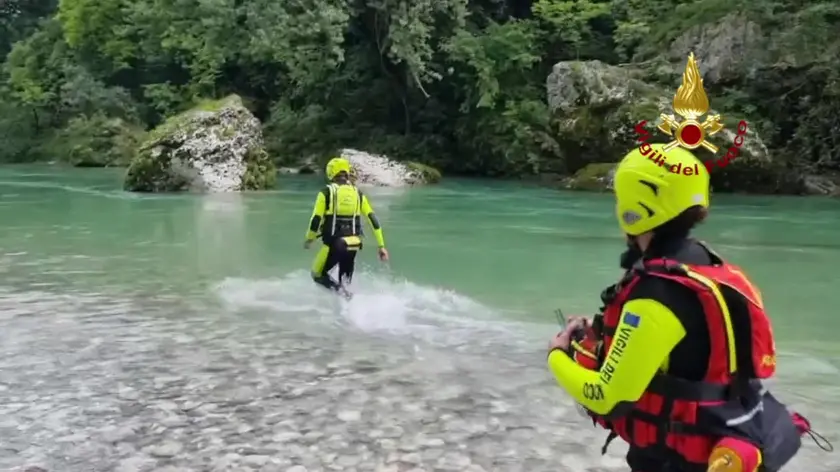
[(641, 242)]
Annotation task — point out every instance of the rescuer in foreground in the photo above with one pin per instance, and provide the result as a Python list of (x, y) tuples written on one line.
[(337, 217), (673, 364)]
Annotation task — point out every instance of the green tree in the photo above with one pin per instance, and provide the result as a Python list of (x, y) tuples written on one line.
[(35, 69), (19, 18), (504, 126), (570, 23), (455, 83)]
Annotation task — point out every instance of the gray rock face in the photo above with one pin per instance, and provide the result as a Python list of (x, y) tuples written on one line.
[(730, 48), (573, 84), (215, 148)]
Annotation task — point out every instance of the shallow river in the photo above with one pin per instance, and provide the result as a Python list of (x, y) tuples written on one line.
[(179, 333)]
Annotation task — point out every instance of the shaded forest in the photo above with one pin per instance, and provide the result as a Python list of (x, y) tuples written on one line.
[(453, 83)]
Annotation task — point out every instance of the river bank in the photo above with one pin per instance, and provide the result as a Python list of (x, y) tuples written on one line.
[(594, 178)]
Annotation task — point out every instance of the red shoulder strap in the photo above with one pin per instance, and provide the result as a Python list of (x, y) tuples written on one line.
[(734, 278), (723, 273)]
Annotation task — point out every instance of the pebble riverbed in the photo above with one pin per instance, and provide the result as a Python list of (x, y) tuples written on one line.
[(89, 384)]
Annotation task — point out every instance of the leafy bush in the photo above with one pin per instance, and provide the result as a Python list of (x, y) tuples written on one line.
[(96, 141)]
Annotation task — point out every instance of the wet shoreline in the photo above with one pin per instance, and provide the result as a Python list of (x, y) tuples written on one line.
[(92, 385)]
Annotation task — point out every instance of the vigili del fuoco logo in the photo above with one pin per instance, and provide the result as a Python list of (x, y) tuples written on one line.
[(691, 103)]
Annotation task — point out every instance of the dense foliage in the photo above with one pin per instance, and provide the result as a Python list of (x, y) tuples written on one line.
[(455, 83)]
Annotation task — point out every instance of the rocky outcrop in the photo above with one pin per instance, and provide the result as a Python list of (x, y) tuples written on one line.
[(743, 46), (215, 147), (597, 107), (381, 171), (731, 47)]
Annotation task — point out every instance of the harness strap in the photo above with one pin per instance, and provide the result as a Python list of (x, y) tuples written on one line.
[(687, 390), (357, 210), (672, 389), (672, 460), (334, 199), (335, 217)]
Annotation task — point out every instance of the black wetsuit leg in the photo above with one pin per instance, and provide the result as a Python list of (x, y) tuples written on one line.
[(346, 266), (324, 279)]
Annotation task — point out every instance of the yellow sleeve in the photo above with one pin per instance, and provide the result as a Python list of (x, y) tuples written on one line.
[(367, 210), (317, 217), (645, 336)]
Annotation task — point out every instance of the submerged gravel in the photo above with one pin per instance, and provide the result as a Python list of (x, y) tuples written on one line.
[(91, 384)]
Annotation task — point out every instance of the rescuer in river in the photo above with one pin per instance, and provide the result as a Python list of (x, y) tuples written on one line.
[(337, 218), (673, 364)]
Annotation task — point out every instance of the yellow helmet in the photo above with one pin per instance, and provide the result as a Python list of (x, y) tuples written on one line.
[(336, 166), (653, 186)]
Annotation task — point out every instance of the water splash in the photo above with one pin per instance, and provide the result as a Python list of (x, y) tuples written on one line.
[(381, 304)]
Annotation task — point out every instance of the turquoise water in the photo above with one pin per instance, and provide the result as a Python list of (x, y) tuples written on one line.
[(524, 250), (472, 262)]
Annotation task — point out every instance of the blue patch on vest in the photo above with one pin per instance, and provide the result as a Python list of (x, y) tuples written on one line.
[(632, 319)]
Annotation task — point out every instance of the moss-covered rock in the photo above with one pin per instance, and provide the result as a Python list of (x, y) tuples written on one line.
[(777, 70), (429, 174), (216, 146), (597, 108), (597, 177)]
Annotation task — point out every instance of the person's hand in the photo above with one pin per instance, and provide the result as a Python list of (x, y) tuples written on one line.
[(564, 338), (307, 244), (383, 254)]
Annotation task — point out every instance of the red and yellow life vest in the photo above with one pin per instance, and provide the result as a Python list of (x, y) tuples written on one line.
[(680, 420)]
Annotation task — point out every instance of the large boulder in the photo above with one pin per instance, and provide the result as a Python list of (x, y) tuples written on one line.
[(597, 108), (214, 147), (382, 171)]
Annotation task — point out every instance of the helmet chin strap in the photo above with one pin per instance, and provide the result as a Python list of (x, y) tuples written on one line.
[(640, 242)]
